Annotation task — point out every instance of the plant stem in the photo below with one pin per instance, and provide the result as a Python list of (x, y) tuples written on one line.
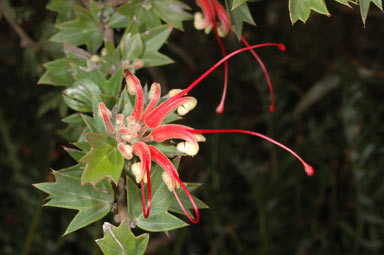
[(32, 230), (25, 39)]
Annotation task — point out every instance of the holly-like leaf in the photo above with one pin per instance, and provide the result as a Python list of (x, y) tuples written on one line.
[(238, 16), (59, 73), (141, 16), (92, 202), (121, 241), (153, 40), (79, 95), (301, 9), (103, 160), (85, 29), (159, 218), (172, 12), (364, 7), (64, 8), (237, 3), (131, 46)]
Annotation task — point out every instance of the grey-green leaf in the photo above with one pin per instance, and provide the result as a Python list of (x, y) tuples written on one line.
[(121, 241), (92, 202)]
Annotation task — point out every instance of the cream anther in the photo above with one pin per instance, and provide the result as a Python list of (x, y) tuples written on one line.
[(174, 92), (187, 106), (137, 171), (199, 21), (199, 137), (188, 148), (131, 86), (169, 182)]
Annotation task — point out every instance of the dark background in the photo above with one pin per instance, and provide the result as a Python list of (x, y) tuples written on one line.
[(329, 109)]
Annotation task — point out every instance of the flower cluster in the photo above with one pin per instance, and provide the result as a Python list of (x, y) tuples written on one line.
[(137, 133)]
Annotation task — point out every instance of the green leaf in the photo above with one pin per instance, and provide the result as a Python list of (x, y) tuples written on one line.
[(120, 240), (59, 73), (131, 46), (301, 9), (79, 96), (237, 3), (159, 218), (92, 202), (64, 9), (238, 16), (83, 30), (345, 2), (103, 160), (364, 7), (153, 40), (141, 16), (172, 12), (156, 37)]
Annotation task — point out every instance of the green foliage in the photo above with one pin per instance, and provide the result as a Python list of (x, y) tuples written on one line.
[(239, 13), (103, 160), (301, 9), (120, 240), (92, 202)]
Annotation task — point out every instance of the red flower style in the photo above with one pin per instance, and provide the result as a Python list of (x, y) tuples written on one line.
[(136, 133), (206, 20)]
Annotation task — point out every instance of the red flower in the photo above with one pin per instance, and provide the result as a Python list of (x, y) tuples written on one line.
[(136, 133), (206, 20)]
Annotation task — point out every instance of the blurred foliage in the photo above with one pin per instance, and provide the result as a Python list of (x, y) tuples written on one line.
[(261, 202)]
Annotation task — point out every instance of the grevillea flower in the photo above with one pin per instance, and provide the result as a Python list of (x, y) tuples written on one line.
[(207, 20), (137, 133)]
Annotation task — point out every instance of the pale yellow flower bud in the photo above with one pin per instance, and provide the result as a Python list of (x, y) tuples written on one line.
[(95, 58)]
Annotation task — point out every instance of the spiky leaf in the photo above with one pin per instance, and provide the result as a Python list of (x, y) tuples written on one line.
[(103, 160), (92, 202), (301, 9), (121, 241)]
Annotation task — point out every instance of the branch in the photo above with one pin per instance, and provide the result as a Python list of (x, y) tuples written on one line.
[(25, 39)]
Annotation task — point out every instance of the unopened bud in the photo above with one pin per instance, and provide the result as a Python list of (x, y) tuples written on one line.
[(119, 119), (138, 63), (188, 148), (104, 52), (95, 58), (125, 150)]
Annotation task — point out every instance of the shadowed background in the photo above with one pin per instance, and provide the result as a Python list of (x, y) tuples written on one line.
[(329, 107)]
